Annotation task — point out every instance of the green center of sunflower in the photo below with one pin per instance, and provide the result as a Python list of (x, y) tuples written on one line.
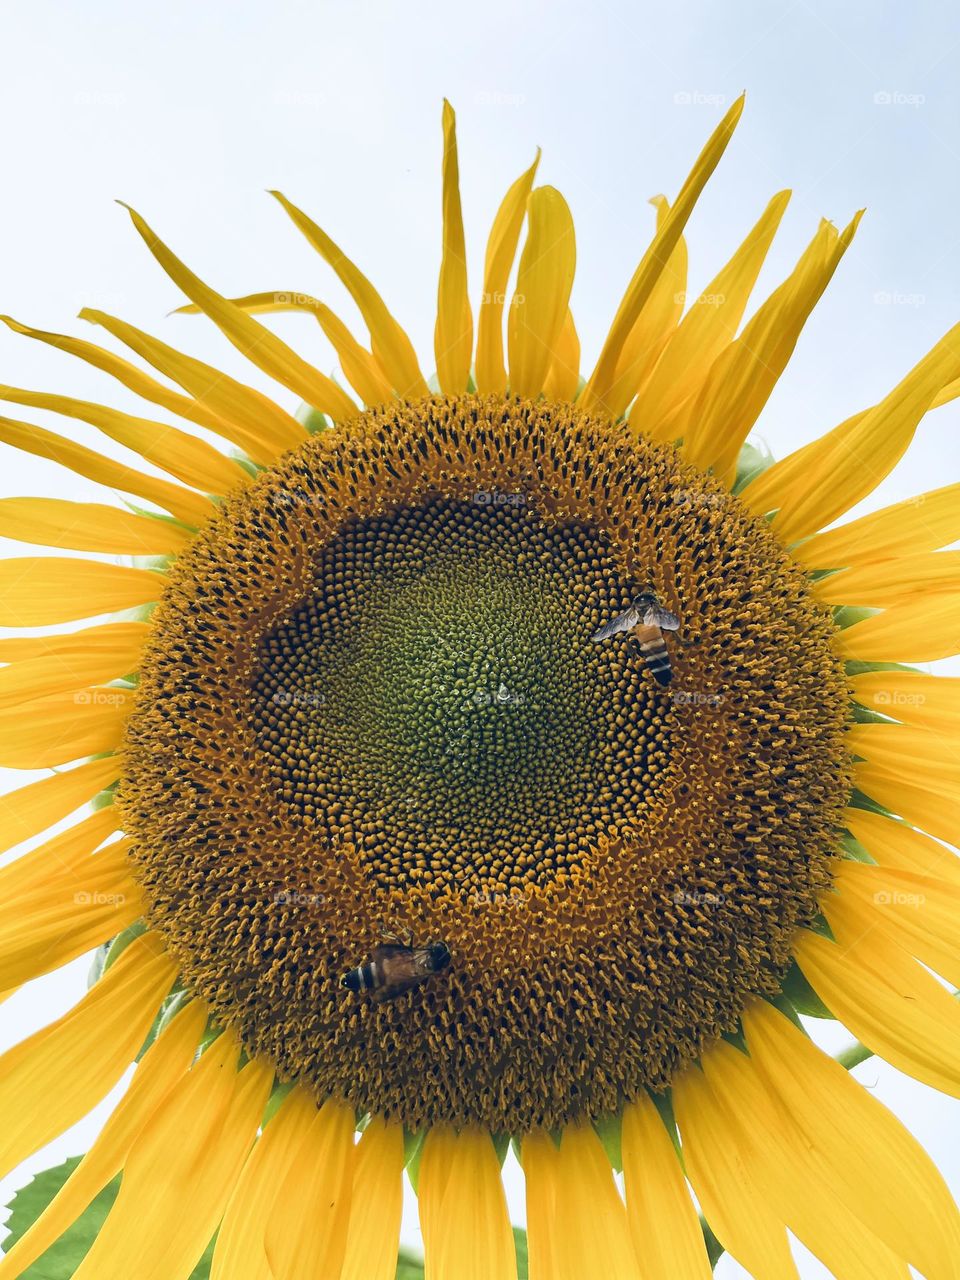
[(372, 707)]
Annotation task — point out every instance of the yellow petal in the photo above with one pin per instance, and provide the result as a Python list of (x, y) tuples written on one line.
[(652, 263), (143, 385), (920, 913), (893, 844), (453, 337), (466, 1229), (73, 908), (491, 373), (591, 1236), (88, 526), (709, 325), (818, 483), (733, 1201), (99, 1038), (563, 376), (191, 508), (391, 346), (362, 371), (538, 308), (924, 523), (655, 325), (240, 1253), (252, 339), (664, 1225), (889, 582), (307, 1232), (27, 877), (886, 998), (742, 379), (256, 423), (45, 665), (179, 1175), (164, 1063), (376, 1206), (889, 1181), (63, 727), (904, 750), (31, 809), (920, 630), (540, 1169), (36, 591), (799, 1186), (931, 702), (189, 459), (934, 808)]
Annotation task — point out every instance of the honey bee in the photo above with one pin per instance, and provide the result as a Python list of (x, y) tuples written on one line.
[(648, 620), (395, 967)]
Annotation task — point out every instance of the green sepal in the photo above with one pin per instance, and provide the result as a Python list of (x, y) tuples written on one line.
[(162, 515), (312, 419), (609, 1130), (248, 465), (63, 1258), (752, 460), (105, 797), (501, 1144), (846, 615), (802, 996), (109, 952), (412, 1155), (277, 1095)]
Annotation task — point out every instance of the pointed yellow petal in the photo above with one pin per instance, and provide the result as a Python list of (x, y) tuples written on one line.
[(591, 1236), (920, 913), (905, 750), (199, 1139), (45, 665), (563, 376), (148, 388), (733, 1201), (63, 727), (742, 379), (240, 1253), (709, 325), (466, 1229), (931, 702), (192, 508), (540, 1169), (362, 371), (88, 526), (99, 1038), (923, 806), (453, 337), (664, 1225), (307, 1232), (190, 460), (491, 373), (655, 325), (162, 1066), (252, 339), (538, 308), (652, 263), (920, 630), (818, 483), (72, 909), (890, 582), (924, 523), (27, 876), (885, 997), (376, 1206), (391, 346), (256, 423), (799, 1186), (893, 844), (888, 1179), (36, 591), (31, 809)]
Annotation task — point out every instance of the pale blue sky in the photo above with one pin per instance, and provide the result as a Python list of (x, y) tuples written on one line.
[(190, 111)]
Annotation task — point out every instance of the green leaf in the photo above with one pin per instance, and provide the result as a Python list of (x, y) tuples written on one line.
[(64, 1256), (409, 1266)]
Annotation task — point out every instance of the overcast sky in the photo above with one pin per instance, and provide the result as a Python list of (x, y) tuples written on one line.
[(191, 111)]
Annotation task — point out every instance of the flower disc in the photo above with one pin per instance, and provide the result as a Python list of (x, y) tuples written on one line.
[(371, 705)]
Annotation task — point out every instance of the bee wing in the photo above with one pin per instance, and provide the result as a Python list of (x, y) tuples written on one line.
[(388, 951), (625, 621), (397, 986), (662, 618)]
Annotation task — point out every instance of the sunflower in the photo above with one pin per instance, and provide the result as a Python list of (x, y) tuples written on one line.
[(341, 713)]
